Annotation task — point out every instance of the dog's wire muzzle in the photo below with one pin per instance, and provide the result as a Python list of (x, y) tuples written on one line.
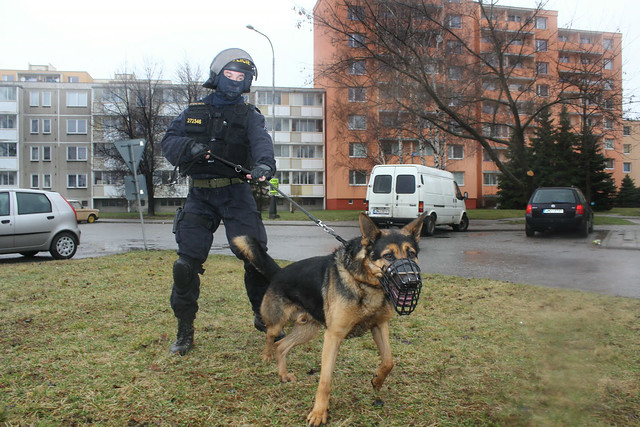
[(402, 282)]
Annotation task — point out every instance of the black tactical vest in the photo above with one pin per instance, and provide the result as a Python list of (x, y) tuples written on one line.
[(225, 131)]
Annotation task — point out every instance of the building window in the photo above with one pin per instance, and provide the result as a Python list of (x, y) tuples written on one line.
[(542, 90), (626, 130), (357, 94), (608, 124), (490, 178), (357, 149), (608, 64), (608, 85), (357, 68), (8, 178), (454, 21), (456, 151), (543, 67), (563, 38), (357, 177), (357, 40), (76, 126), (34, 99), (311, 99), (7, 93), (35, 154), (46, 180), (73, 79), (34, 126), (306, 125), (356, 13), (541, 23), (266, 98), (454, 73), (76, 153), (459, 178), (626, 167), (609, 144), (8, 149), (514, 18), (541, 45), (77, 180), (76, 99), (46, 126), (608, 163), (280, 150), (46, 99), (563, 59), (357, 122), (585, 40), (46, 153), (34, 180), (607, 44)]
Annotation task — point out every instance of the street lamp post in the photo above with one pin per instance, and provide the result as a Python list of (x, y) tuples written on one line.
[(272, 205)]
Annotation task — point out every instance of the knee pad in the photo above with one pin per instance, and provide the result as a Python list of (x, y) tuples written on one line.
[(185, 271)]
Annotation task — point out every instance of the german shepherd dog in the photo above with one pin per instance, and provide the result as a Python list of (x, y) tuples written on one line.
[(341, 291)]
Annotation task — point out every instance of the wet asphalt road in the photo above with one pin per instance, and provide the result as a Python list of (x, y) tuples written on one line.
[(490, 249)]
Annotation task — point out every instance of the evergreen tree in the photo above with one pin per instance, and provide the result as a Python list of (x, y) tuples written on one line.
[(543, 161), (629, 195), (566, 171), (594, 180), (511, 194)]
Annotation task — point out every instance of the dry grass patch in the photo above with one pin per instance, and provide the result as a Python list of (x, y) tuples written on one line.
[(86, 341)]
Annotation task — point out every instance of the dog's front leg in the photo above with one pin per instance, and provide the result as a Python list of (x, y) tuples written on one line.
[(381, 337), (330, 349)]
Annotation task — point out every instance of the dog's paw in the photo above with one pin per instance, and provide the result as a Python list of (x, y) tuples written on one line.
[(287, 377), (317, 418), (267, 357)]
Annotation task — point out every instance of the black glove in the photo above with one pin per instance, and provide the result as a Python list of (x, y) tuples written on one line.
[(195, 149), (261, 170)]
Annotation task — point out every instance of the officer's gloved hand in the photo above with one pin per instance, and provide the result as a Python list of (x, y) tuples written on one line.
[(261, 170), (196, 149)]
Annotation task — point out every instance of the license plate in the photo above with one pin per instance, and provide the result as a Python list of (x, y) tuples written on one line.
[(381, 211), (552, 211)]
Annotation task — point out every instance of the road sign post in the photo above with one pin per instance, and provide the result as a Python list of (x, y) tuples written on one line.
[(131, 151)]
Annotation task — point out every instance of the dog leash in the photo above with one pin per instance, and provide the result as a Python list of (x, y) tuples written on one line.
[(240, 169)]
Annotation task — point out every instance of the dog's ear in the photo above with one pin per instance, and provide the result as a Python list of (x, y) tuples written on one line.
[(414, 228), (370, 232)]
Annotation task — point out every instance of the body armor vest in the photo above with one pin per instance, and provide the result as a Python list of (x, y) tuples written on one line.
[(225, 131)]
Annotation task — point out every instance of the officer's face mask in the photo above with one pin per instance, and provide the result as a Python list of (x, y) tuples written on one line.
[(230, 89)]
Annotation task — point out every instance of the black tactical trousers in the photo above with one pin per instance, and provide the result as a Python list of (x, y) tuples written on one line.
[(202, 213)]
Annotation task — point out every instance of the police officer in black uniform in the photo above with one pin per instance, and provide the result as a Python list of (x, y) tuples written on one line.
[(224, 125)]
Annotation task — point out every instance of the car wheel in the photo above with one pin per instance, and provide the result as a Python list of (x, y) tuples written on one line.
[(29, 254), (529, 231), (63, 246), (429, 226), (464, 224), (91, 219), (584, 228)]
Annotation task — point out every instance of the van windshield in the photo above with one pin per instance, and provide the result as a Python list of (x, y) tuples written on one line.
[(405, 184), (382, 184)]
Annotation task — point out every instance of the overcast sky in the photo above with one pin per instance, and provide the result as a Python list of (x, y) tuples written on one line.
[(122, 35)]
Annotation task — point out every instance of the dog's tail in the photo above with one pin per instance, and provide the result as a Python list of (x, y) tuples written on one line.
[(248, 249)]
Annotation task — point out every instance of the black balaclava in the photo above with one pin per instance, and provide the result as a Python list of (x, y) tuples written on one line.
[(229, 91)]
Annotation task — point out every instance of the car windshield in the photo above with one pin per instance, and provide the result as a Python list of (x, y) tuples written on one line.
[(554, 195)]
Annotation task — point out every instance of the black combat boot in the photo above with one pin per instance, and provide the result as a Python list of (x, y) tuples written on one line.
[(184, 340)]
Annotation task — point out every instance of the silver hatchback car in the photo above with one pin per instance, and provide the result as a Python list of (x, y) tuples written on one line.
[(33, 220)]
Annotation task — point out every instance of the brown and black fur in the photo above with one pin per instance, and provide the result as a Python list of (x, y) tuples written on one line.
[(340, 291)]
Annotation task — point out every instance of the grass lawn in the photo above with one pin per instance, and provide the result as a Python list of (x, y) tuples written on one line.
[(86, 341)]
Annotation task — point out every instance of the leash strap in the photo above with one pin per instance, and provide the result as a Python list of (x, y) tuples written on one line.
[(240, 169)]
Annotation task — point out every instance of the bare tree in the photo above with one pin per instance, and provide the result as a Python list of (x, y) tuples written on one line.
[(471, 70), (132, 108)]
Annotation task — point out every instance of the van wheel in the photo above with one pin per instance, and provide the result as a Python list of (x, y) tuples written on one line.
[(429, 226), (464, 224)]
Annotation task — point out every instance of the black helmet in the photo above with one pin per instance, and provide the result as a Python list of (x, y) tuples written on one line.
[(235, 60)]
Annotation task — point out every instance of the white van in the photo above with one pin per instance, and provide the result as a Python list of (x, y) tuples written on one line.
[(397, 194)]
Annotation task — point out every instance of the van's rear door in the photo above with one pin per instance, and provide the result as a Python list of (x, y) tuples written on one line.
[(380, 193), (406, 200)]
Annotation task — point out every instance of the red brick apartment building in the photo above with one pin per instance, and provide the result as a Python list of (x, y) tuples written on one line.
[(538, 62)]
